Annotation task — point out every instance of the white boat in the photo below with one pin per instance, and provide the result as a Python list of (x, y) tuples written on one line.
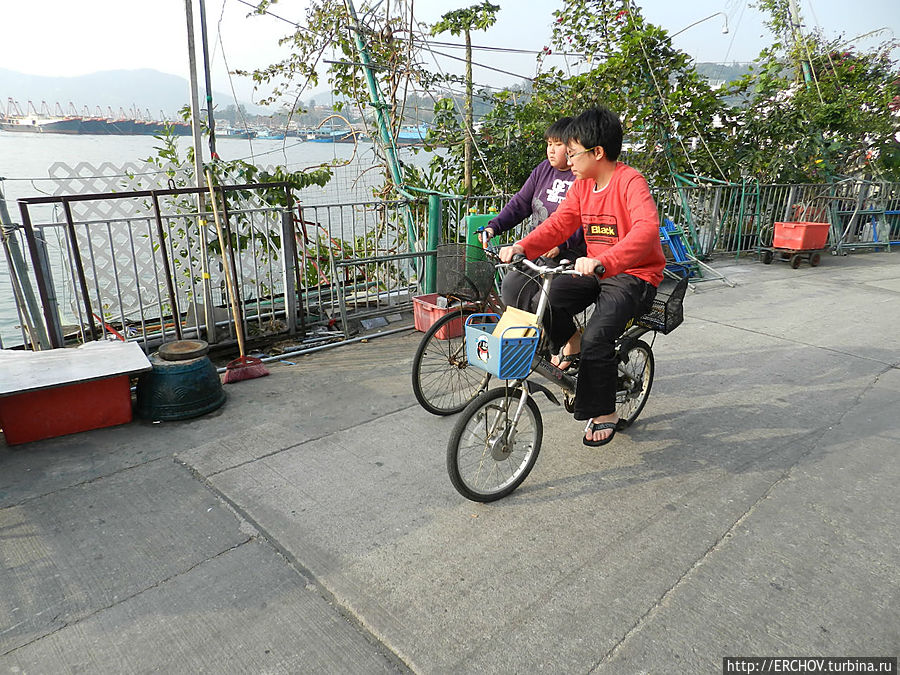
[(41, 125)]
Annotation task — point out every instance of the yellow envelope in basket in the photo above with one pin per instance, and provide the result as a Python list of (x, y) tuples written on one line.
[(518, 319)]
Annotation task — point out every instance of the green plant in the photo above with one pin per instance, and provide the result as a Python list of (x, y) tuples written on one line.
[(813, 109)]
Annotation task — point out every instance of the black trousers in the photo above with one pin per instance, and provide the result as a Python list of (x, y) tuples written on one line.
[(617, 300), (522, 289)]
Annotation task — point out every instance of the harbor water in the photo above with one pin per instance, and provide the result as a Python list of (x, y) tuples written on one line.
[(26, 158)]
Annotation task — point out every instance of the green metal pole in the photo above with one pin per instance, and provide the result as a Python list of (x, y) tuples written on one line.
[(740, 223), (22, 290), (383, 128), (670, 160), (798, 39), (376, 102), (431, 241)]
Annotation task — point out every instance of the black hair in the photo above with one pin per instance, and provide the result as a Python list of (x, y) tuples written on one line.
[(557, 130), (597, 127)]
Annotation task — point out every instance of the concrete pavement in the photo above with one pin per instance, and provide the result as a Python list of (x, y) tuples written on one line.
[(309, 524)]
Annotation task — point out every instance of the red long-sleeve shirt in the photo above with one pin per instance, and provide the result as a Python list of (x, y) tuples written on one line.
[(621, 225)]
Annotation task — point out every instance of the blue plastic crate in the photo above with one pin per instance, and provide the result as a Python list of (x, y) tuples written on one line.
[(507, 358)]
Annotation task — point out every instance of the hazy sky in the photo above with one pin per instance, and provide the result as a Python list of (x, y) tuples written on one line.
[(68, 37)]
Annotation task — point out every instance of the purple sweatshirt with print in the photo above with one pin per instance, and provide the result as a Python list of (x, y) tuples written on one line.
[(543, 191)]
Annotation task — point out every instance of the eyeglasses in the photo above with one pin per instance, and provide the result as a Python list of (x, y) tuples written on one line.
[(572, 155)]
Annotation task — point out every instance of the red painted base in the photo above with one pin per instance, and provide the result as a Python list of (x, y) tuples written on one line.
[(46, 413)]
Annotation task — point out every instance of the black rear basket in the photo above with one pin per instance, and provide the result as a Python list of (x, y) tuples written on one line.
[(667, 311)]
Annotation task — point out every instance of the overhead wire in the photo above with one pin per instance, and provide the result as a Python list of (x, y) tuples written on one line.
[(429, 47), (300, 89), (469, 130), (275, 16), (661, 96), (237, 106), (834, 69), (668, 112), (507, 50), (734, 33)]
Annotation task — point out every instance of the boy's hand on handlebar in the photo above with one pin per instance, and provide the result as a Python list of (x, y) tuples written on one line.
[(588, 267), (507, 252)]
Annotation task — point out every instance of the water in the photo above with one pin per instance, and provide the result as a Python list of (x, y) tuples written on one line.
[(25, 160)]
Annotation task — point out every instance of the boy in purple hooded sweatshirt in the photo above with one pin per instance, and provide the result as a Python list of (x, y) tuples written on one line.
[(542, 193)]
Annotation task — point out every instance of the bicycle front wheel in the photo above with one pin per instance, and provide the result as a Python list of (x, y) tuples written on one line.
[(442, 380), (488, 457), (635, 369)]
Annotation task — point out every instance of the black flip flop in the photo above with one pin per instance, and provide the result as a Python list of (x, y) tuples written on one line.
[(572, 359), (599, 426)]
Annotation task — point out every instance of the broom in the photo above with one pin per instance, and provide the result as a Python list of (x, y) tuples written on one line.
[(245, 367)]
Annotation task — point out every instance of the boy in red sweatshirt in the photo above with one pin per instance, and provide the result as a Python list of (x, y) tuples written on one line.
[(621, 228)]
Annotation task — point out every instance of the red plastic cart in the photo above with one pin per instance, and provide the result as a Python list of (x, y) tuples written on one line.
[(797, 241)]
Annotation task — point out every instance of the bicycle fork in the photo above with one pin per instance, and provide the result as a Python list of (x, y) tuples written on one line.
[(502, 434)]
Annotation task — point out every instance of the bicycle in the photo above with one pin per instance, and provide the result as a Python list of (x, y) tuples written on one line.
[(496, 440), (442, 382)]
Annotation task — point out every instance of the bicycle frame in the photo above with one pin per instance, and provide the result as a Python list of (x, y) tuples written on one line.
[(496, 440), (542, 366)]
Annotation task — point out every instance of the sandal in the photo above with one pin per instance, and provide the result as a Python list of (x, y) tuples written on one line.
[(571, 360), (598, 426)]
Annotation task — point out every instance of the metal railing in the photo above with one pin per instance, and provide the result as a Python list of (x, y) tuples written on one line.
[(740, 218), (327, 268), (161, 275)]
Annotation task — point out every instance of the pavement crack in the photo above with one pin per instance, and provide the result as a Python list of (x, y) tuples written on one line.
[(306, 574), (90, 481), (137, 594), (796, 342), (647, 616), (273, 453)]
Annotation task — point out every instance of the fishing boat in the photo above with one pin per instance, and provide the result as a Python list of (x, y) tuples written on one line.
[(335, 136), (42, 125), (269, 135), (234, 132), (412, 134)]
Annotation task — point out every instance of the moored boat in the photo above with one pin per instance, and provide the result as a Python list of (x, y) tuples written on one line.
[(412, 134), (42, 125), (269, 135)]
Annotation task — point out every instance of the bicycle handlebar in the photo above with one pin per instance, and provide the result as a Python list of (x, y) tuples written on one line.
[(565, 267)]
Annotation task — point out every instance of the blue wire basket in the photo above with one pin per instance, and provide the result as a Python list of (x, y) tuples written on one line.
[(508, 356)]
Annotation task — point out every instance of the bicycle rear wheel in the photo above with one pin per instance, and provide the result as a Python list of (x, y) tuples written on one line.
[(636, 369), (442, 380), (487, 457)]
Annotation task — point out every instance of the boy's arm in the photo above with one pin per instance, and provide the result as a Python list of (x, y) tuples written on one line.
[(517, 209), (556, 229), (642, 240)]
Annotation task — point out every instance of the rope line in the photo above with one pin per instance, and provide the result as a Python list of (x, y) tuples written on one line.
[(470, 131), (668, 112)]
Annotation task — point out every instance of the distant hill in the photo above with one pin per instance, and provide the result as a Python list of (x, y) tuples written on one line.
[(722, 72), (146, 88)]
